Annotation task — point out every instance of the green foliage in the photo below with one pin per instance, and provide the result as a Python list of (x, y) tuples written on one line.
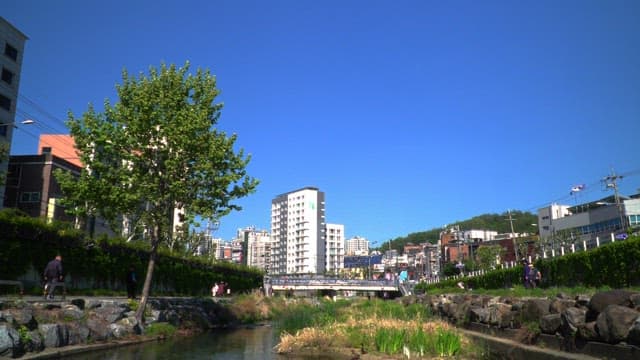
[(487, 256), (32, 242), (612, 265), (25, 336), (447, 343), (160, 329), (496, 222), (389, 341)]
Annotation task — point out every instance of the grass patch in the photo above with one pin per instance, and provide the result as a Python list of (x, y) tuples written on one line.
[(160, 329), (370, 326)]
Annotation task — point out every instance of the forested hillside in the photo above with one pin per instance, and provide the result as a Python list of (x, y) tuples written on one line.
[(522, 222)]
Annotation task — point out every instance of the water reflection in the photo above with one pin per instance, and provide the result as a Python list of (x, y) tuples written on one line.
[(242, 344)]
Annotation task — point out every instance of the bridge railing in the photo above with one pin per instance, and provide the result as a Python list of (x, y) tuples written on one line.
[(328, 281)]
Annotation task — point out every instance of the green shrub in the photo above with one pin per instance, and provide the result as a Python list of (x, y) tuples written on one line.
[(447, 343), (160, 329)]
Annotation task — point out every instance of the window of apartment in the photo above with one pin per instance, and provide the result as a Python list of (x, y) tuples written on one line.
[(5, 102), (30, 197), (11, 52), (7, 76)]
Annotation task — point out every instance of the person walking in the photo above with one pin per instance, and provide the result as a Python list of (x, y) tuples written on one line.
[(52, 274), (132, 283), (534, 276)]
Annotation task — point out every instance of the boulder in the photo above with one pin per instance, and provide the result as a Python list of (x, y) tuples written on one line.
[(550, 324), (635, 301), (601, 300), (53, 335), (634, 333), (109, 312), (588, 331), (98, 329), (500, 314), (9, 341), (35, 342), (557, 306), (572, 318), (614, 323), (582, 300), (78, 333), (72, 312), (80, 303), (479, 314), (534, 309)]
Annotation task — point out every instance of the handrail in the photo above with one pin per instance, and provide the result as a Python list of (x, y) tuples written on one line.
[(15, 283)]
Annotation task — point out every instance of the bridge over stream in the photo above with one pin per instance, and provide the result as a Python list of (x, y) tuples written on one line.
[(285, 283)]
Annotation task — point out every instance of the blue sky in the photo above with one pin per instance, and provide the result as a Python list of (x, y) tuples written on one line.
[(409, 115)]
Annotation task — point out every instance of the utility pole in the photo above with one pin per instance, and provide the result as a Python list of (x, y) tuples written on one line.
[(513, 236), (611, 182)]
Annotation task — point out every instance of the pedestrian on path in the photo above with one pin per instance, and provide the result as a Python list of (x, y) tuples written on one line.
[(52, 275)]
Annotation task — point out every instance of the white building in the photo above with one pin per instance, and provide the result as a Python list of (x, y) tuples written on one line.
[(583, 224), (334, 248), (356, 246), (298, 232), (257, 245), (479, 235), (12, 43)]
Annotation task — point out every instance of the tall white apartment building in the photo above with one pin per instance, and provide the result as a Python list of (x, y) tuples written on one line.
[(12, 43), (257, 247), (298, 232), (357, 245), (334, 248)]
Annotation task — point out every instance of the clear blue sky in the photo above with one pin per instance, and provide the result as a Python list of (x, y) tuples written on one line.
[(409, 115)]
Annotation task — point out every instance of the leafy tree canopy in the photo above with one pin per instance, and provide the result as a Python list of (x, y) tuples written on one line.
[(155, 150)]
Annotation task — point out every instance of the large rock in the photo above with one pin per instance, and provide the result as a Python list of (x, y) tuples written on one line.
[(78, 333), (109, 312), (72, 312), (534, 309), (634, 333), (557, 306), (35, 342), (550, 324), (500, 315), (588, 331), (572, 318), (98, 328), (601, 300), (479, 314), (614, 323), (9, 341), (54, 335)]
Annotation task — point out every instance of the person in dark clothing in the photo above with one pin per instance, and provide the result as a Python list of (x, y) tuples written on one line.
[(52, 274), (132, 281), (525, 275)]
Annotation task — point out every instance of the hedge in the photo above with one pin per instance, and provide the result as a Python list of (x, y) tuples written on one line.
[(615, 265), (27, 242)]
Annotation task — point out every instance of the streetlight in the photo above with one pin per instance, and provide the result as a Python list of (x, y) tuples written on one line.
[(3, 132)]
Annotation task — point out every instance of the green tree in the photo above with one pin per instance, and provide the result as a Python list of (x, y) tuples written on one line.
[(156, 150), (487, 256)]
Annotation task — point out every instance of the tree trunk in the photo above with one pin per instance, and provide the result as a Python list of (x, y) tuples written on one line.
[(147, 280)]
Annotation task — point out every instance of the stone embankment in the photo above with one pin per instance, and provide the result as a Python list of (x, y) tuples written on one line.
[(32, 327), (606, 324)]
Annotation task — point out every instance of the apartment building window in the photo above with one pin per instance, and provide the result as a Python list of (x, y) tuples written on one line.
[(30, 197), (5, 102), (7, 76), (11, 52)]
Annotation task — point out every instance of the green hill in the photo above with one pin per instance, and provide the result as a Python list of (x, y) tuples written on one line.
[(522, 222)]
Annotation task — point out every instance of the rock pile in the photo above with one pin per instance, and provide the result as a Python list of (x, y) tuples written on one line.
[(32, 327)]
